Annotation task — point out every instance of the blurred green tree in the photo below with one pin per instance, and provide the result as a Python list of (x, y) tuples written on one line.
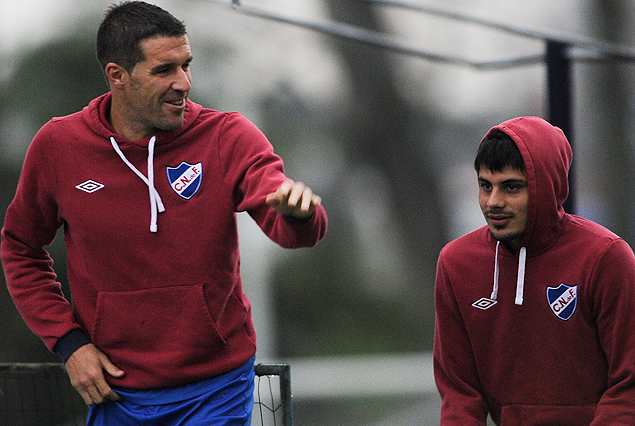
[(55, 79)]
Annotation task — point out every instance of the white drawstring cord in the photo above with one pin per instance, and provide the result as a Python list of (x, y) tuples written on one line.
[(151, 189), (520, 283), (155, 198), (496, 270)]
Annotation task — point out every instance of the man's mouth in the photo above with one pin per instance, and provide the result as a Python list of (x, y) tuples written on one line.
[(499, 220), (176, 102)]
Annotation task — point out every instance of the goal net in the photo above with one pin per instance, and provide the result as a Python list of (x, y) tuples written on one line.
[(41, 395)]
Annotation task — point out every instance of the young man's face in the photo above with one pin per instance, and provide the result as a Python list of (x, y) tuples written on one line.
[(504, 200), (158, 86)]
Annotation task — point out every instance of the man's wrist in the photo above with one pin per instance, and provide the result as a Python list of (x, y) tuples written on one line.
[(69, 343), (294, 219)]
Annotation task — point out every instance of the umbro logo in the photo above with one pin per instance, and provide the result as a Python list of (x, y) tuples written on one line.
[(90, 186), (484, 303)]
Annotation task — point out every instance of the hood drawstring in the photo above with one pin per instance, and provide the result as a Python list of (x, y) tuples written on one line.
[(520, 282), (155, 199), (495, 289)]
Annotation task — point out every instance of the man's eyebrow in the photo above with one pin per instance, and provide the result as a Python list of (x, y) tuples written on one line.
[(516, 181), (506, 181), (168, 65)]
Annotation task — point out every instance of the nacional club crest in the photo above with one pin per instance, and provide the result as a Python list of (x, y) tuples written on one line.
[(563, 300), (186, 178)]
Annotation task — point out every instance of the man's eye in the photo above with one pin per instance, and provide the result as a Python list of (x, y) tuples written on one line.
[(162, 71), (514, 188)]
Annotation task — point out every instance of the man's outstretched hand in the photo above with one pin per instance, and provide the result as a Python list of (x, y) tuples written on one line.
[(294, 199)]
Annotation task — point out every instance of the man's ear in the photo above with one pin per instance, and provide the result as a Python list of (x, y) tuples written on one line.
[(117, 75)]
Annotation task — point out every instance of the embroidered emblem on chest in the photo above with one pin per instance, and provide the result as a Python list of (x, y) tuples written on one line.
[(90, 186), (563, 300), (186, 179), (484, 303)]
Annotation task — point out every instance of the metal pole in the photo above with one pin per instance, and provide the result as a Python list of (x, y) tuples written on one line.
[(560, 102), (286, 396)]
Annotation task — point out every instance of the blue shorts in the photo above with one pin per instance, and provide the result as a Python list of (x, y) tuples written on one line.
[(226, 400)]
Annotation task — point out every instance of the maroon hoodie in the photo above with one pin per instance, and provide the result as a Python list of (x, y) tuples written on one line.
[(154, 273), (551, 341)]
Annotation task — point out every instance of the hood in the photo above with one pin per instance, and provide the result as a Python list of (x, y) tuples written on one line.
[(547, 156), (96, 117)]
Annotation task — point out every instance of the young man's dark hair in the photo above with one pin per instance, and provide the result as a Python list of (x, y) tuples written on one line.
[(126, 25), (497, 151)]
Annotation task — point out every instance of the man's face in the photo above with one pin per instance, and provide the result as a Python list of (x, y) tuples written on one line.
[(504, 200), (158, 87)]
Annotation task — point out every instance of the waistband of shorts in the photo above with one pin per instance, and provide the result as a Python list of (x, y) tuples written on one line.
[(184, 392)]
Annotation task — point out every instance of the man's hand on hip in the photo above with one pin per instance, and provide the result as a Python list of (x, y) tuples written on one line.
[(86, 368)]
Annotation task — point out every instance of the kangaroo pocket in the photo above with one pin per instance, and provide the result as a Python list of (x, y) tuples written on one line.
[(547, 415), (157, 329)]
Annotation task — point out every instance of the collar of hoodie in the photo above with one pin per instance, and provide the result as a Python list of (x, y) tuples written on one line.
[(156, 205), (520, 280)]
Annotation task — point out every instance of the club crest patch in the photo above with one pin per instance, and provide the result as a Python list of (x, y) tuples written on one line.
[(563, 300), (186, 179)]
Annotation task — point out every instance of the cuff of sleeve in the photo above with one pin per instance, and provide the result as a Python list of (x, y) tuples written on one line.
[(69, 343), (297, 220)]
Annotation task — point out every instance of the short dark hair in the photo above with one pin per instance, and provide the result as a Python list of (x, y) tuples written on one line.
[(126, 25), (497, 151)]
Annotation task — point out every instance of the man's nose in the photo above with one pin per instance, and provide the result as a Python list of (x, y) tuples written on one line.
[(183, 81), (496, 198)]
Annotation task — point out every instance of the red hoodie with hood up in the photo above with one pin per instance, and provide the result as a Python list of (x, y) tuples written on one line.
[(153, 260), (545, 336)]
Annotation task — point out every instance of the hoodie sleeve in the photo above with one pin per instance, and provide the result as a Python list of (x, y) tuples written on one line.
[(252, 171), (462, 403), (30, 225), (614, 312)]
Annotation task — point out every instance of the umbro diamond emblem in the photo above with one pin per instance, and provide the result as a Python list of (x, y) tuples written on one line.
[(90, 186), (484, 303)]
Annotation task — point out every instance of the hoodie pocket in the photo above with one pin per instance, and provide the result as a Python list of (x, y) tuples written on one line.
[(547, 415), (165, 322)]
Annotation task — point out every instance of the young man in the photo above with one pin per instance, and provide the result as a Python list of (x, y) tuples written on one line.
[(536, 310), (147, 184)]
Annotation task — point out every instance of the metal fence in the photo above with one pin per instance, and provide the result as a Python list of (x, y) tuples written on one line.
[(41, 395)]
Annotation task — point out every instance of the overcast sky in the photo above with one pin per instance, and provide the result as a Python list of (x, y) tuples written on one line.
[(25, 22), (267, 54)]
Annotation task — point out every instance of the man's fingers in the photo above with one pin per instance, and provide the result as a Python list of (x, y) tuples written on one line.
[(312, 202), (294, 198), (105, 392), (281, 195), (89, 393), (297, 193), (86, 368), (109, 367), (97, 392), (88, 400)]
